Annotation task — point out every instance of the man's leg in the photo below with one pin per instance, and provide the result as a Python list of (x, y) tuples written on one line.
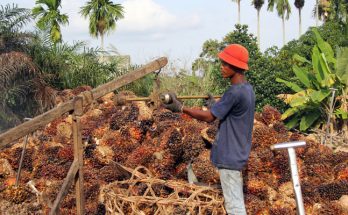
[(232, 188)]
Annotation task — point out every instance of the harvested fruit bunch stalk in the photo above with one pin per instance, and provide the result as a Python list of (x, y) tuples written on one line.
[(165, 142)]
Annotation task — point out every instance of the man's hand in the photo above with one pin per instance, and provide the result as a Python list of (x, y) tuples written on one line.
[(175, 105), (210, 101)]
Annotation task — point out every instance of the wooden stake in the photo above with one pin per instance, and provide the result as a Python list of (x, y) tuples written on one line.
[(78, 154)]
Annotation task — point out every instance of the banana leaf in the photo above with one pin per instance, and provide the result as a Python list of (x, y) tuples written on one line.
[(342, 65), (302, 75), (289, 112), (318, 96), (308, 119), (293, 86), (325, 47), (316, 65), (293, 122), (328, 81), (301, 59)]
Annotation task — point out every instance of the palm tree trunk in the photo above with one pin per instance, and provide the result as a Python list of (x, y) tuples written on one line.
[(238, 11), (258, 28), (283, 21), (102, 42), (299, 22), (102, 47)]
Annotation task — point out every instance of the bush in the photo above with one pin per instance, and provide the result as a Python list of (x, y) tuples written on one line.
[(262, 68)]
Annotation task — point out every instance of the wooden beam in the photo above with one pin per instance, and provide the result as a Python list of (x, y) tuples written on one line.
[(65, 187), (34, 124), (78, 154), (129, 77), (43, 119)]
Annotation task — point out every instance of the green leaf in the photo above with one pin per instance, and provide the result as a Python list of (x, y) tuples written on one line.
[(316, 64), (325, 47), (300, 59), (327, 81), (289, 112), (298, 102), (293, 86), (302, 75), (342, 65), (341, 114), (320, 95), (308, 119), (292, 123)]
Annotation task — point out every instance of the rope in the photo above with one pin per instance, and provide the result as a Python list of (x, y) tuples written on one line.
[(121, 197)]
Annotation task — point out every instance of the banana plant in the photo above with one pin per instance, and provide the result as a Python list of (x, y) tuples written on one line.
[(310, 103)]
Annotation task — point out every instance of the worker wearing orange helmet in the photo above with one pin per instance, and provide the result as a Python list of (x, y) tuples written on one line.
[(235, 111)]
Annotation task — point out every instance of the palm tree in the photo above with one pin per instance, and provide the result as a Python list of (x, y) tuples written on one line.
[(103, 15), (238, 2), (283, 10), (12, 19), (23, 89), (299, 5), (50, 18), (258, 5), (323, 10)]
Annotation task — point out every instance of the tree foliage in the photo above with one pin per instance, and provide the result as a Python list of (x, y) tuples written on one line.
[(49, 18), (12, 19), (103, 15), (262, 68), (310, 105)]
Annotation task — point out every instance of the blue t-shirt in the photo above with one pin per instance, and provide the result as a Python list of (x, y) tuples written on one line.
[(235, 110)]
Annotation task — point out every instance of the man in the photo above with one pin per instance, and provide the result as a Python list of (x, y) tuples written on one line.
[(235, 110)]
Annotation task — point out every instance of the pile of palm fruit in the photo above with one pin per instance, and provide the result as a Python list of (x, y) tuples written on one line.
[(164, 142)]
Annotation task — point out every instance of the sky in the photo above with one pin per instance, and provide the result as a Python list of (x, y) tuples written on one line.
[(177, 29)]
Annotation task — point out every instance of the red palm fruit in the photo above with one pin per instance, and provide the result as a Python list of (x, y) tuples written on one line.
[(141, 156), (204, 169), (270, 115)]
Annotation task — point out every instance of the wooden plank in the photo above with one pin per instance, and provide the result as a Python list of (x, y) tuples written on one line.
[(78, 154), (34, 124), (65, 187), (129, 77)]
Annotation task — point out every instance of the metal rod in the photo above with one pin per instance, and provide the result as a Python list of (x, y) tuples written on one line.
[(22, 157), (179, 97), (333, 90), (296, 181), (290, 146)]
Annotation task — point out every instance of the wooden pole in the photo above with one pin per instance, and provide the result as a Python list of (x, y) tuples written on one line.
[(129, 77), (27, 127), (78, 154), (65, 187), (34, 124)]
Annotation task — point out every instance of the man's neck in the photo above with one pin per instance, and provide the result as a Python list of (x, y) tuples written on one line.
[(238, 79)]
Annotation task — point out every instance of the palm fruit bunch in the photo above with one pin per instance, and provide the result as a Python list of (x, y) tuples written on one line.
[(204, 169), (164, 142)]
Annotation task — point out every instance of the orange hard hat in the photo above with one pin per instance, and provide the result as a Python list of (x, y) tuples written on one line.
[(235, 55)]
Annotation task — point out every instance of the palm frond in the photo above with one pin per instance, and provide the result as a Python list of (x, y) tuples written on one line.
[(12, 18)]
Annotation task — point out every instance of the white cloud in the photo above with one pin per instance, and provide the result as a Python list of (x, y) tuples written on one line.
[(77, 24), (147, 16)]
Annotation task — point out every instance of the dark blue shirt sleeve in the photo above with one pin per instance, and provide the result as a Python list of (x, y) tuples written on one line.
[(225, 105)]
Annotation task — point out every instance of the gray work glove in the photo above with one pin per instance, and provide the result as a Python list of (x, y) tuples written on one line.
[(175, 105), (210, 101)]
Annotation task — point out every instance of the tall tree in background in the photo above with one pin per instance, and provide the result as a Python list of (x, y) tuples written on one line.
[(238, 2), (299, 5), (103, 15), (50, 18), (283, 10), (258, 5)]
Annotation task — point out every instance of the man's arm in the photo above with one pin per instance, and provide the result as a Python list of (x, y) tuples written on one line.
[(206, 116)]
